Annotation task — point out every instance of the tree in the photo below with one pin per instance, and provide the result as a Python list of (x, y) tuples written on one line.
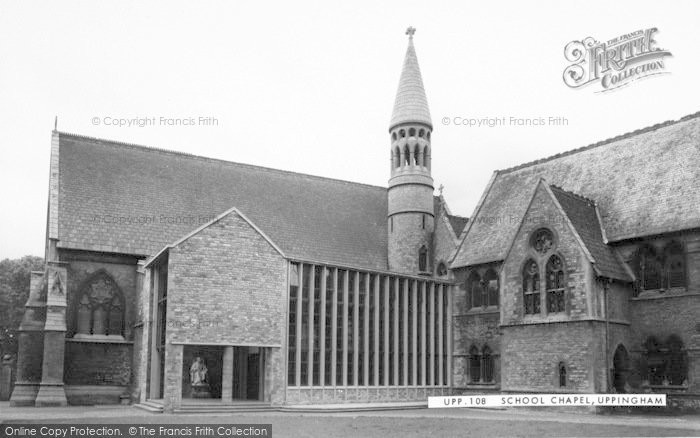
[(14, 291)]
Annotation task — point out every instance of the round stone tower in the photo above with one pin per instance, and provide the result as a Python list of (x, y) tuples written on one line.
[(411, 208)]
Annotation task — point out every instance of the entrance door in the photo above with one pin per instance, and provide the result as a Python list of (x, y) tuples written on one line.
[(248, 366), (620, 369)]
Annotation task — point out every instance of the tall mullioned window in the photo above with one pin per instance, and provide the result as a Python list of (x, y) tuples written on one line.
[(361, 328), (292, 331)]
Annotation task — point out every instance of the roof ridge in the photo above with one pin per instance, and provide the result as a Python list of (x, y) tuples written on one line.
[(201, 157), (572, 194), (601, 143)]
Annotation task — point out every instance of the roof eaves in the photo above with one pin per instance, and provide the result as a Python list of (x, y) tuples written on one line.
[(603, 142)]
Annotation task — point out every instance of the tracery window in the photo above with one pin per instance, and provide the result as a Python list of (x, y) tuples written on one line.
[(542, 240), (555, 285), (660, 269), (531, 287), (100, 307), (666, 363)]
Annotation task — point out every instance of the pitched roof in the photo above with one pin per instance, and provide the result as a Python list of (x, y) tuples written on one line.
[(644, 183), (411, 104), (584, 218), (122, 198)]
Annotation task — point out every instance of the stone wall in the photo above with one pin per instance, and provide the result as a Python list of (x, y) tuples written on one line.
[(92, 363), (226, 286)]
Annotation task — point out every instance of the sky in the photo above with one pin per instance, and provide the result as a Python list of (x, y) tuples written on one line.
[(309, 86)]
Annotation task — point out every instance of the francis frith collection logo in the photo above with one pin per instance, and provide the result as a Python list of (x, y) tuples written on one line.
[(614, 63)]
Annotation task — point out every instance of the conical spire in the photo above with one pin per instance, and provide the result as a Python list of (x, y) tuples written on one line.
[(411, 105)]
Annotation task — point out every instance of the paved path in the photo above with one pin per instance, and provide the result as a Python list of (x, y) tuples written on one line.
[(396, 423)]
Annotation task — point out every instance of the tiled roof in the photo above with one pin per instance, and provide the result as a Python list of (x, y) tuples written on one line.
[(646, 182), (582, 214), (160, 196), (411, 104)]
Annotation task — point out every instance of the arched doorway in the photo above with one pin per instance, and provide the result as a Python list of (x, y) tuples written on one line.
[(620, 369)]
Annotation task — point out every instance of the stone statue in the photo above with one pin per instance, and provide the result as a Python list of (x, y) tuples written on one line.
[(198, 372)]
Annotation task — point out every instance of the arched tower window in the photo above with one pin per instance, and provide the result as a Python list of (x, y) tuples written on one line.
[(426, 155), (421, 133), (474, 364), (562, 374), (406, 156), (423, 259), (442, 269), (531, 287), (420, 157), (412, 132), (100, 307), (395, 157), (555, 285), (674, 265)]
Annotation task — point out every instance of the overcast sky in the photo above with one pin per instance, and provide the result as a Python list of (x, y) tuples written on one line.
[(309, 86)]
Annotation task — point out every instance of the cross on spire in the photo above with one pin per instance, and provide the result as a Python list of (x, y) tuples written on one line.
[(410, 31)]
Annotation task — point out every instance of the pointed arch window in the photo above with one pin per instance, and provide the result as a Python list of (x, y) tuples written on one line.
[(649, 268), (562, 374), (100, 308), (487, 365), (555, 285), (675, 265), (491, 287), (474, 290), (474, 364), (531, 287)]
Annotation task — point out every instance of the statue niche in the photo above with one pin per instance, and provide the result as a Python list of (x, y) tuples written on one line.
[(198, 379)]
